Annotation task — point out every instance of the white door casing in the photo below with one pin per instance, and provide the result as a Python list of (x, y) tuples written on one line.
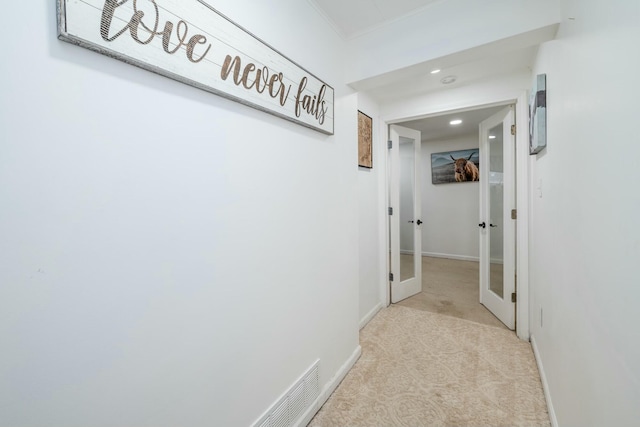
[(404, 222)]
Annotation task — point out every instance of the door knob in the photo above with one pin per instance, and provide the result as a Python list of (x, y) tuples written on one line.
[(482, 224), (418, 222), (410, 222), (491, 225)]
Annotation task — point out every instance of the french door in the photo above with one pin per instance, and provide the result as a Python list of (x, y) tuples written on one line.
[(497, 227), (405, 213)]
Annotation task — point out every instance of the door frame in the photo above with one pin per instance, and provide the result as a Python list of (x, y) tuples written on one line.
[(522, 193)]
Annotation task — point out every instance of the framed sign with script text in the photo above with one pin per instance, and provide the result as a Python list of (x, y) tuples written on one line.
[(189, 41)]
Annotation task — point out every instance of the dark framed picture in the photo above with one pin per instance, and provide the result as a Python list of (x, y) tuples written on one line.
[(365, 140), (538, 115), (455, 166)]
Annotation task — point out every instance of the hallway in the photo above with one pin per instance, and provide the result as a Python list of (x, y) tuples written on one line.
[(439, 358), (183, 243), (450, 287), (424, 369)]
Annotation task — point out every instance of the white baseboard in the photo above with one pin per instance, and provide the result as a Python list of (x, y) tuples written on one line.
[(545, 384), (451, 256), (329, 388), (367, 318)]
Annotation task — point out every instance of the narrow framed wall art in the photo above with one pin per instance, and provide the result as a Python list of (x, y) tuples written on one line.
[(538, 115), (365, 140)]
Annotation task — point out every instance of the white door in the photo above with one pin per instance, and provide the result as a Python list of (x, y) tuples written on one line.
[(405, 219), (497, 228)]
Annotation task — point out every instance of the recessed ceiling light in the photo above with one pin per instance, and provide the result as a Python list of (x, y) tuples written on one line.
[(455, 122), (436, 71), (492, 137), (448, 80)]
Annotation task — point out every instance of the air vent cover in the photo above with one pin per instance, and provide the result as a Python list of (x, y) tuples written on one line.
[(289, 409)]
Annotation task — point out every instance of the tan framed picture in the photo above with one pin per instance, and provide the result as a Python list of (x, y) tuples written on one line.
[(365, 140)]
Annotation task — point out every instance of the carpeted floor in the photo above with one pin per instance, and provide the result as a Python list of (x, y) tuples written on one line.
[(425, 369), (451, 287)]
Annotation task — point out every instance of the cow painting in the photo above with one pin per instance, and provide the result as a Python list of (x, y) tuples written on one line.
[(465, 169)]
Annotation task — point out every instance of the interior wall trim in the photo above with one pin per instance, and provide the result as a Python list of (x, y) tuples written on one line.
[(329, 388), (452, 256), (367, 317), (545, 384)]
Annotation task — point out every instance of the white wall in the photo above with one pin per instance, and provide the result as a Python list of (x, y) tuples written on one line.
[(450, 211), (168, 257), (443, 28), (584, 234), (371, 219)]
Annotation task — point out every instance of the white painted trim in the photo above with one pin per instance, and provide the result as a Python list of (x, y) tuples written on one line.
[(380, 137), (329, 388), (385, 289), (367, 318), (400, 114), (461, 257), (451, 256), (523, 187), (545, 384)]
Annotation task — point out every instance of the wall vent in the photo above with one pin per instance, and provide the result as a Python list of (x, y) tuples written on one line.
[(287, 411)]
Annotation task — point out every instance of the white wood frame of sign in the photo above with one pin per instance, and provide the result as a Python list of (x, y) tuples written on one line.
[(191, 42)]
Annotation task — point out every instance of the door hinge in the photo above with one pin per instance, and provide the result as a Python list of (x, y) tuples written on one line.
[(513, 297), (513, 129), (390, 211), (391, 277), (514, 214), (389, 144)]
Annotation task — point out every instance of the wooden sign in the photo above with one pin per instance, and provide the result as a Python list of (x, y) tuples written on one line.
[(189, 41)]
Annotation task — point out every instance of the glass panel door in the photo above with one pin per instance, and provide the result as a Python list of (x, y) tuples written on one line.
[(496, 210), (406, 211), (404, 222), (497, 229)]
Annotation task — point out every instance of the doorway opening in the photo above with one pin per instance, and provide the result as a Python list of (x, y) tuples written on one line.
[(450, 254)]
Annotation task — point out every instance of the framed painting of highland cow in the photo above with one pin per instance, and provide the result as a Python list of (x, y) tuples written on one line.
[(455, 166)]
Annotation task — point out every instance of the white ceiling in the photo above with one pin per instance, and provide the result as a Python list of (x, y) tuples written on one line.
[(353, 17), (410, 83), (438, 128), (494, 60)]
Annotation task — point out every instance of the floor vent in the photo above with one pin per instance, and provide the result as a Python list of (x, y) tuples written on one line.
[(288, 410)]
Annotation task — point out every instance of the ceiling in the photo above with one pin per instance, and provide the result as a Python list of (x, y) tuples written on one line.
[(438, 128), (495, 60), (353, 17)]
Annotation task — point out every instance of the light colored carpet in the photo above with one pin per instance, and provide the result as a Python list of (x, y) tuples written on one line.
[(424, 369), (451, 287)]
